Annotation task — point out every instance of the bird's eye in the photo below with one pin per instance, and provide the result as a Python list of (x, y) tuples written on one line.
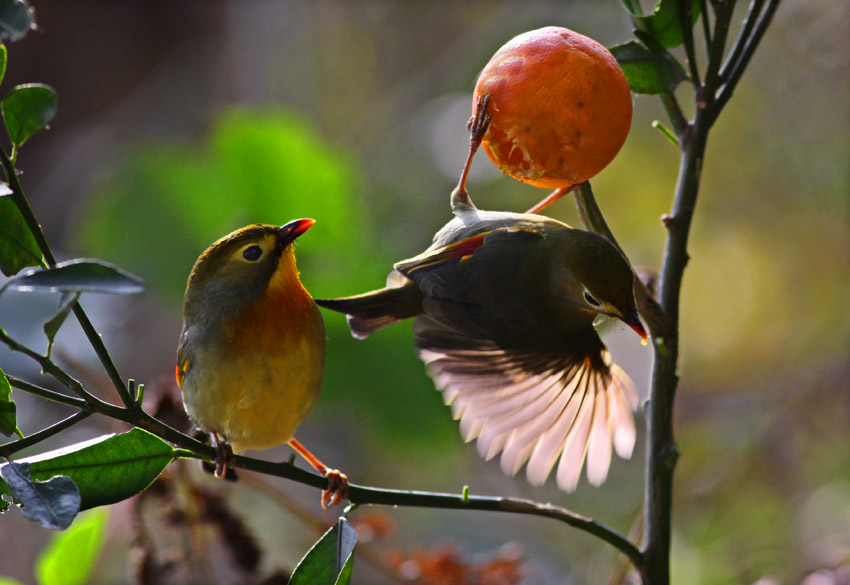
[(590, 300), (252, 253)]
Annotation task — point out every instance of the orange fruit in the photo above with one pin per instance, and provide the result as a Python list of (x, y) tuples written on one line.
[(560, 105)]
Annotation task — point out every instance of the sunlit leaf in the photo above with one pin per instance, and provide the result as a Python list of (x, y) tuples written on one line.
[(108, 469), (8, 418), (80, 275), (3, 59), (72, 554), (665, 22), (648, 72), (18, 248), (16, 18), (53, 503), (27, 109), (330, 560), (51, 328)]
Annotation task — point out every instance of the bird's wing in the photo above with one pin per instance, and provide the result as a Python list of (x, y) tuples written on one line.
[(461, 249), (535, 408)]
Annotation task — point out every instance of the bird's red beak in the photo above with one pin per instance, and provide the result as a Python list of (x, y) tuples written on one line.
[(292, 230), (633, 321)]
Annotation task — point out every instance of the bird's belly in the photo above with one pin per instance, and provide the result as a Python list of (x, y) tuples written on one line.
[(256, 399)]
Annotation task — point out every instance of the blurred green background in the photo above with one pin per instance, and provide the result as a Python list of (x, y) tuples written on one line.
[(180, 121)]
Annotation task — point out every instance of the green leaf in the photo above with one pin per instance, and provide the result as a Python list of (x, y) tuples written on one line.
[(27, 109), (51, 328), (72, 554), (648, 72), (18, 248), (665, 22), (80, 275), (16, 18), (8, 419), (330, 560), (107, 469), (54, 503), (3, 59)]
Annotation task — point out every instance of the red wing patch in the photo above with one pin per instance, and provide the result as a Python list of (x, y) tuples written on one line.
[(459, 251)]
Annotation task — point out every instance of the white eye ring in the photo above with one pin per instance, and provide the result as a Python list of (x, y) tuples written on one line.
[(590, 300), (252, 253)]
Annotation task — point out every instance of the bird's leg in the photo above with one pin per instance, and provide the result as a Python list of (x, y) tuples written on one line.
[(337, 489), (223, 455), (477, 126), (551, 198)]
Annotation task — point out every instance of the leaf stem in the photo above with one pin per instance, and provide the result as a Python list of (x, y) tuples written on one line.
[(688, 41)]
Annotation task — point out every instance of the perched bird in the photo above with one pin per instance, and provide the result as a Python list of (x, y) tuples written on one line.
[(504, 306), (252, 349)]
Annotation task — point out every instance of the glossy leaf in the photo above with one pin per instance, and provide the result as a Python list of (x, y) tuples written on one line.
[(108, 469), (51, 328), (330, 560), (80, 275), (648, 72), (16, 18), (72, 554), (8, 418), (18, 248), (665, 22), (27, 109), (53, 503)]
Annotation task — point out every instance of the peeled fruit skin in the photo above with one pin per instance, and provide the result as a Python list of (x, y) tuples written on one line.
[(561, 107)]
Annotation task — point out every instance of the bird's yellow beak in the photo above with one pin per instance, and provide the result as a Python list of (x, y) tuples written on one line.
[(633, 321), (292, 230)]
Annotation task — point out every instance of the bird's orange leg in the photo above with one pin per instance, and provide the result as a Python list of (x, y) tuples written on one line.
[(223, 455), (477, 126), (550, 199), (337, 489)]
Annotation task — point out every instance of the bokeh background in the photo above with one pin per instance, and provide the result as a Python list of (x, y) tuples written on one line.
[(180, 121)]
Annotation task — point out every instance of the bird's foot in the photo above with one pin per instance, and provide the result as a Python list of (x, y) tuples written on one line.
[(223, 455), (337, 490)]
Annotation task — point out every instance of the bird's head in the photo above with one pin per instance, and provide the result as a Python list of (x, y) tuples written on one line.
[(605, 280), (243, 265)]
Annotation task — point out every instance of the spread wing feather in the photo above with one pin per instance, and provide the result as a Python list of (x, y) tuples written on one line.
[(539, 410)]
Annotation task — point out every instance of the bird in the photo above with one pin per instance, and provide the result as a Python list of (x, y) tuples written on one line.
[(504, 306), (251, 354)]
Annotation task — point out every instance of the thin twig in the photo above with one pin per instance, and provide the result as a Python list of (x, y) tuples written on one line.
[(45, 393), (749, 49), (688, 41), (706, 25), (20, 199), (15, 446), (753, 12)]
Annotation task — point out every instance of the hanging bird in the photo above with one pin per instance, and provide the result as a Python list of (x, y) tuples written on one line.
[(504, 306), (252, 349)]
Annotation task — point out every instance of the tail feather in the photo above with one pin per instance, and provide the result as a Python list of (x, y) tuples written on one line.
[(377, 309)]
